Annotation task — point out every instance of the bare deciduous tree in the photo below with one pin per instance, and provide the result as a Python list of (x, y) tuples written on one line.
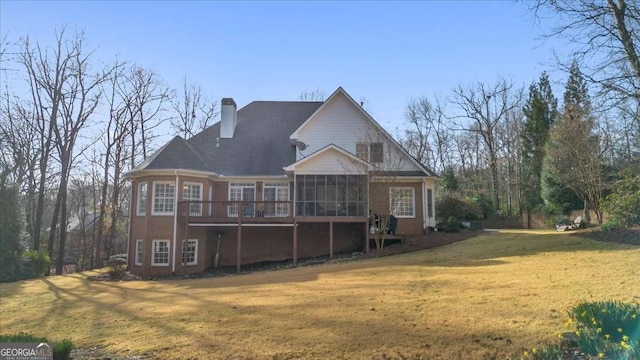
[(312, 95), (487, 107), (429, 137), (194, 112)]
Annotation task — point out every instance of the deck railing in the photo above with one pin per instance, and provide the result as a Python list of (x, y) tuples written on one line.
[(235, 211)]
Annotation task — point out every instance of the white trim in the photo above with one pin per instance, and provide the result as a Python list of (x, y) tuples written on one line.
[(233, 209), (279, 210), (413, 201), (242, 186), (425, 211), (136, 261), (175, 223), (350, 156), (164, 172), (153, 248), (380, 179), (192, 183), (185, 251), (153, 199), (146, 200), (239, 178)]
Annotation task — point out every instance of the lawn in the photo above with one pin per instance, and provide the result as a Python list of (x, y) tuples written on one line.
[(488, 297)]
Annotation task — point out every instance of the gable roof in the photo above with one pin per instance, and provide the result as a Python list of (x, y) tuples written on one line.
[(261, 144), (341, 91), (331, 147)]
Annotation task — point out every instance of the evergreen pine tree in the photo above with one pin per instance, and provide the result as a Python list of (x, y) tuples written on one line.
[(573, 158), (540, 111)]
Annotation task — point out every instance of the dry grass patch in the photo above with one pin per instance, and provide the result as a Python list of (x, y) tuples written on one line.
[(488, 297)]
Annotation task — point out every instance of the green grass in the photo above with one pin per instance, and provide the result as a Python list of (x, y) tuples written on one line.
[(488, 297)]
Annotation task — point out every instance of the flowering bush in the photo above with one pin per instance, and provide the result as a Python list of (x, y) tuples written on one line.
[(609, 329), (605, 329)]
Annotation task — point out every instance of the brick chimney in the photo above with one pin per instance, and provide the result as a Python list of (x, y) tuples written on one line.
[(228, 118)]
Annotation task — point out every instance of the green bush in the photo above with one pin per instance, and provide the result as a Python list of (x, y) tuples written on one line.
[(610, 226), (623, 204), (484, 203), (61, 349), (453, 207), (37, 263)]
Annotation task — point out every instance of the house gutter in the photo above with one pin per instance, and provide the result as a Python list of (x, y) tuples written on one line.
[(175, 224)]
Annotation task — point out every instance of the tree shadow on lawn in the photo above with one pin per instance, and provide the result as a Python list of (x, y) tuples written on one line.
[(109, 317), (486, 249)]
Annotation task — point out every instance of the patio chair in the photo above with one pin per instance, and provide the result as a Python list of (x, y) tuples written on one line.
[(565, 225)]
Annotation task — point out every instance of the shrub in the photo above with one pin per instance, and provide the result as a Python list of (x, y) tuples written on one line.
[(623, 204), (61, 349), (453, 207), (484, 203), (37, 263), (610, 226), (117, 266)]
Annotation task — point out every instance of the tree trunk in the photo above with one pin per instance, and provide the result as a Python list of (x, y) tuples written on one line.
[(586, 213), (52, 229), (63, 223)]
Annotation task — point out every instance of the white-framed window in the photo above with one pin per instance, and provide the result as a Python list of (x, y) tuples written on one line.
[(160, 253), (276, 192), (402, 202), (371, 152), (430, 203), (190, 252), (242, 192), (141, 208), (362, 151), (193, 192), (164, 193), (139, 251)]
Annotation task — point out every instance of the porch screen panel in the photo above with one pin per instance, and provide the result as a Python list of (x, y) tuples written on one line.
[(331, 195)]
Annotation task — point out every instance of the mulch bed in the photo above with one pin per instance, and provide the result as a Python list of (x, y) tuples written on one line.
[(629, 236), (421, 242)]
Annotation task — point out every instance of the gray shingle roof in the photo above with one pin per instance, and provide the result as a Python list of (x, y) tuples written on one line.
[(260, 144), (178, 154)]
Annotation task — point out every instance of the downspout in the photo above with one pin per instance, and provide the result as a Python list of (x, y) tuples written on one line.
[(425, 211), (129, 252), (175, 224)]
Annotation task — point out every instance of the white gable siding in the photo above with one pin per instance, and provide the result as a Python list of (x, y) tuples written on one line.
[(342, 124), (330, 162)]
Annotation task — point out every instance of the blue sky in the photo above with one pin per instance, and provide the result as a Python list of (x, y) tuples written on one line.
[(385, 52)]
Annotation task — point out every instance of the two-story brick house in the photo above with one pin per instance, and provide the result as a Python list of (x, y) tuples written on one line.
[(271, 181)]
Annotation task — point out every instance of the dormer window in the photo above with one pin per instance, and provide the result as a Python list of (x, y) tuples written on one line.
[(371, 152)]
